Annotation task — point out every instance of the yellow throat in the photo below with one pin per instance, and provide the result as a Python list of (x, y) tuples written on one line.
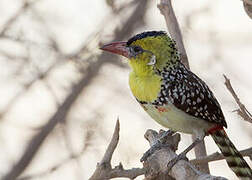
[(144, 83)]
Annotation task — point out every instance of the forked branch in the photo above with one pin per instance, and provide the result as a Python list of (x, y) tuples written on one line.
[(155, 165), (104, 169)]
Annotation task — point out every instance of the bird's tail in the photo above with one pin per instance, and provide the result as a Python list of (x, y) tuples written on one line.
[(233, 157)]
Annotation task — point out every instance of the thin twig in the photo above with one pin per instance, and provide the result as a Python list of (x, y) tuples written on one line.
[(13, 19), (218, 156), (242, 111)]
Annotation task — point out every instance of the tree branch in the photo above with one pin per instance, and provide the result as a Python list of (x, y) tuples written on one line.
[(218, 156), (104, 169), (167, 11), (247, 4), (242, 111), (8, 23), (112, 145), (156, 163), (38, 139), (90, 72)]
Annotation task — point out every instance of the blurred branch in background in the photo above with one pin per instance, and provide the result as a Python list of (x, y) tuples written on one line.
[(167, 11), (53, 168), (14, 18), (89, 135), (248, 7), (39, 75), (89, 72), (71, 157)]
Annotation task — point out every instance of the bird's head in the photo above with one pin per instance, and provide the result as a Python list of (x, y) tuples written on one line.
[(148, 52)]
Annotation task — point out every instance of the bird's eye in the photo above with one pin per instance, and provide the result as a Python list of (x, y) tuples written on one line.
[(137, 49)]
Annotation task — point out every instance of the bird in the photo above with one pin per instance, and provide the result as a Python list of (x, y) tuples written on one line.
[(173, 95)]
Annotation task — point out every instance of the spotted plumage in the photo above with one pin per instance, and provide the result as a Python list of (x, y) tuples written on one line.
[(189, 93), (174, 96)]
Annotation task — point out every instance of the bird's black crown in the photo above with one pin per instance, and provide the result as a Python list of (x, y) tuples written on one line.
[(145, 34)]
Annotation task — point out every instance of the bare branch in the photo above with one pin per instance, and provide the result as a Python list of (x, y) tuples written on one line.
[(242, 111), (38, 139), (26, 87), (167, 11), (71, 157), (90, 72), (156, 164), (113, 143), (104, 169), (200, 151), (10, 22), (247, 4), (218, 156), (53, 168), (128, 173)]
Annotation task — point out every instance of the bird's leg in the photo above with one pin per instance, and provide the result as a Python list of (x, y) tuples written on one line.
[(182, 155), (158, 145)]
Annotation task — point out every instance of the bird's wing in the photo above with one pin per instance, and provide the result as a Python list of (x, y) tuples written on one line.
[(190, 94)]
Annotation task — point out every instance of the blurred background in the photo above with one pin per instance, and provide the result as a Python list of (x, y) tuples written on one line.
[(61, 95)]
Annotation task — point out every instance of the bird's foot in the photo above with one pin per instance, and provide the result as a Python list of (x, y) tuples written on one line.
[(182, 156)]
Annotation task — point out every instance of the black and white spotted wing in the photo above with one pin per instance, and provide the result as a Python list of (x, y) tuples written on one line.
[(190, 94)]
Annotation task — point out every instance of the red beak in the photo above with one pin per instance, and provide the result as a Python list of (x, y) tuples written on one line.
[(117, 48)]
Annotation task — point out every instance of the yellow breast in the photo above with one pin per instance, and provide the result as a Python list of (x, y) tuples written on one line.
[(145, 88)]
